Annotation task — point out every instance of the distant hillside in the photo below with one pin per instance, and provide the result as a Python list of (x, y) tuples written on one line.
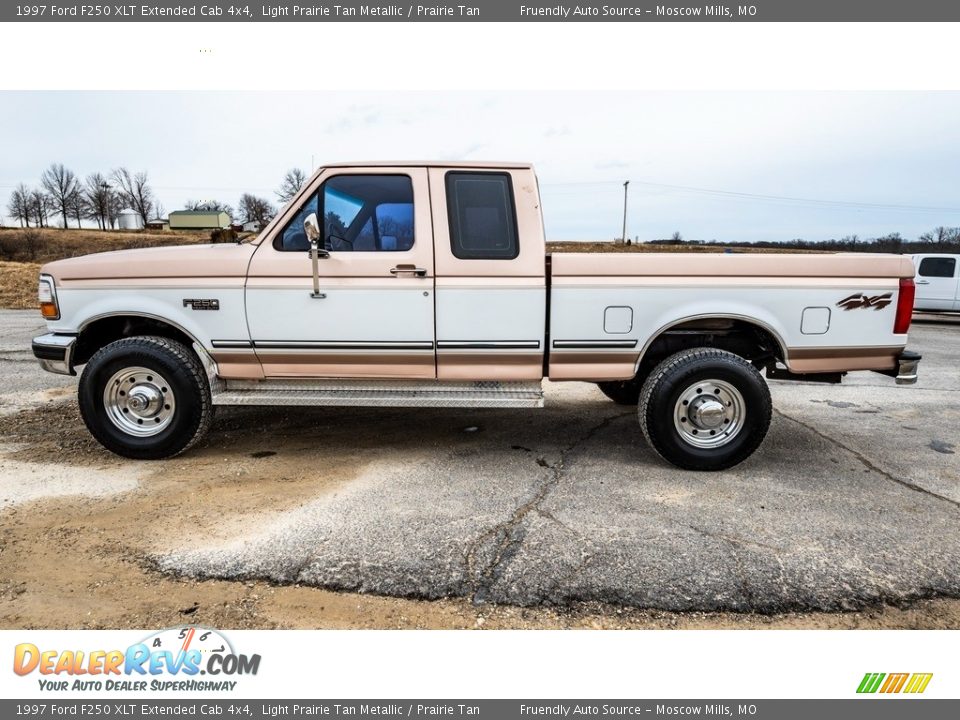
[(45, 244)]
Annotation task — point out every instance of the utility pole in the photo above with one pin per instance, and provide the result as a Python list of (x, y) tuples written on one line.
[(623, 235)]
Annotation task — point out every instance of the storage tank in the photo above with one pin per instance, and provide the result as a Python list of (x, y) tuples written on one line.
[(129, 220)]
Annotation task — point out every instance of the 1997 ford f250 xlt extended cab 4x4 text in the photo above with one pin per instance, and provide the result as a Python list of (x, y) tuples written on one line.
[(428, 284)]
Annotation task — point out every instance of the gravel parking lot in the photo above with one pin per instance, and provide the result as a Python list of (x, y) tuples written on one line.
[(300, 518)]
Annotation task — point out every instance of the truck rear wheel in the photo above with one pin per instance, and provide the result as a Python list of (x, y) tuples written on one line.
[(145, 397), (705, 409), (622, 392)]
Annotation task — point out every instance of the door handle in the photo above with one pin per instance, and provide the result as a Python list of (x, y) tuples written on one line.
[(419, 272), (923, 282)]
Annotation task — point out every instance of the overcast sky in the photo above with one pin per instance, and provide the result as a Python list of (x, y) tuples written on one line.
[(826, 164)]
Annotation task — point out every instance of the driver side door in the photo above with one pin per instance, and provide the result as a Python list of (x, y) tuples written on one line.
[(374, 316)]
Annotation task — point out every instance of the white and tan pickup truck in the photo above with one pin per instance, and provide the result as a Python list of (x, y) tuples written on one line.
[(428, 284)]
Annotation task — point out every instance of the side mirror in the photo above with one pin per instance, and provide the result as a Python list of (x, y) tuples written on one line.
[(311, 227)]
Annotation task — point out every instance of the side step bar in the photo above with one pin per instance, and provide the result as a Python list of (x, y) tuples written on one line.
[(379, 393)]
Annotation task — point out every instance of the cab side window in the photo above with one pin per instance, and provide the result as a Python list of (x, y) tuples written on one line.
[(938, 267), (358, 213), (482, 216)]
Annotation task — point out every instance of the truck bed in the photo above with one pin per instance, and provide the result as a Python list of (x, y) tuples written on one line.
[(827, 312)]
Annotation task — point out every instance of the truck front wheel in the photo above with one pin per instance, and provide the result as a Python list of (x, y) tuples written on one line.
[(145, 397), (705, 409)]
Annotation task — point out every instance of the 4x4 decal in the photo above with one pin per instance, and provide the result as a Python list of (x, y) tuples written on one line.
[(859, 300)]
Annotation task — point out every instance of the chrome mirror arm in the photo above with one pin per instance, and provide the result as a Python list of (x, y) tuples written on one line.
[(314, 257), (311, 227)]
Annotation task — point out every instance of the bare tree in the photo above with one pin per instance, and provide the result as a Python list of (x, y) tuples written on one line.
[(61, 185), (19, 205), (291, 184), (256, 209), (78, 206), (98, 194), (135, 190), (941, 235), (41, 206), (114, 209)]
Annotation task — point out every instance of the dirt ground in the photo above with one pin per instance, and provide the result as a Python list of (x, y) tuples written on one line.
[(80, 561)]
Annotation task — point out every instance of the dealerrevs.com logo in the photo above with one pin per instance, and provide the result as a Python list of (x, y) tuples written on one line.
[(910, 683), (180, 659)]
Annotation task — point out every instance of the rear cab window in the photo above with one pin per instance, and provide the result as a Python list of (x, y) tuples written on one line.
[(942, 267), (482, 216)]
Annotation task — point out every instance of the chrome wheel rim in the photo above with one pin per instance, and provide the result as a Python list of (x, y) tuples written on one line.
[(139, 401), (709, 413)]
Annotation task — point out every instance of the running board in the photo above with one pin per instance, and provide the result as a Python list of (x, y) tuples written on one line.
[(379, 393)]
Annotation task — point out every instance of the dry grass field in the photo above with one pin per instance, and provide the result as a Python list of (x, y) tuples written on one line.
[(46, 244), (23, 251), (18, 285)]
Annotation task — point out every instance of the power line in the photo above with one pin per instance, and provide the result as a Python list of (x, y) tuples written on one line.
[(763, 197)]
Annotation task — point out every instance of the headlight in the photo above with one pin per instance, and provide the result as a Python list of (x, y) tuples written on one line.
[(47, 295)]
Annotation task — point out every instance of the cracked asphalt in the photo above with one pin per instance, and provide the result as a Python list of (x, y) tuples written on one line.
[(20, 382), (853, 501)]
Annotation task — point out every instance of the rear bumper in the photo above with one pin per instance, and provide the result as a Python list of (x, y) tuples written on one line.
[(55, 352), (905, 371)]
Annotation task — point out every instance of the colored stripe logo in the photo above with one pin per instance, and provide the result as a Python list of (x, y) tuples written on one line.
[(913, 683)]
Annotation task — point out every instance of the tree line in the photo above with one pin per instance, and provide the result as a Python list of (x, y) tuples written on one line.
[(101, 197), (941, 239), (98, 197)]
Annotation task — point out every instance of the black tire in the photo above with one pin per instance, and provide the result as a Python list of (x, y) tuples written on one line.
[(622, 392), (189, 415), (661, 405)]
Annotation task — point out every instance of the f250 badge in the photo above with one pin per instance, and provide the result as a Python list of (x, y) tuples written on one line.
[(202, 304), (859, 300)]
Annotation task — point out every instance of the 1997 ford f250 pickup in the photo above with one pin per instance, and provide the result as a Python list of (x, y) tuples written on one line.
[(427, 284)]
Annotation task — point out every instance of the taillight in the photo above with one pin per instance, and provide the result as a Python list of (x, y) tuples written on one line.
[(904, 306)]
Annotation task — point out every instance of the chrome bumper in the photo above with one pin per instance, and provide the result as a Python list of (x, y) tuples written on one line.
[(55, 352), (907, 364)]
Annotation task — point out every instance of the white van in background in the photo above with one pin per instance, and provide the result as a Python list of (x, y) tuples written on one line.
[(938, 283)]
